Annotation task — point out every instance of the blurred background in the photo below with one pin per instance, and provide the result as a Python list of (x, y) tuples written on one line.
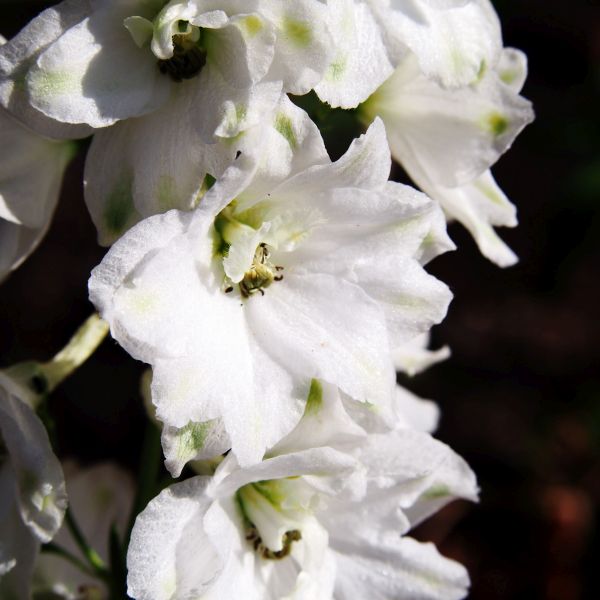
[(520, 395)]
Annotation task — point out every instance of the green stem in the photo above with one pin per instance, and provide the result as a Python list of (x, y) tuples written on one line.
[(92, 557), (79, 348), (52, 548)]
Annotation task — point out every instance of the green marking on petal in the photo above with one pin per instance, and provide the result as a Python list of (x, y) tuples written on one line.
[(497, 124), (482, 70), (53, 83), (315, 398), (119, 206), (166, 192), (252, 25), (284, 126), (435, 492), (192, 438), (336, 69), (298, 32), (509, 75)]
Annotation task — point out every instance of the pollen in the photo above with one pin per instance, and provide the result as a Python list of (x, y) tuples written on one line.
[(261, 274)]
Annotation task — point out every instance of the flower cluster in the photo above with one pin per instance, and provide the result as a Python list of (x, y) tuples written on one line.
[(274, 292)]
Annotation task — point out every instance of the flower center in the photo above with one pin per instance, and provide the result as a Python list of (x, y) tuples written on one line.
[(261, 273), (271, 519), (188, 59)]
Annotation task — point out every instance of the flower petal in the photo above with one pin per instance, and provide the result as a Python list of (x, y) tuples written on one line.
[(21, 52), (170, 553), (452, 136), (360, 64), (42, 497), (400, 568), (106, 79), (325, 328)]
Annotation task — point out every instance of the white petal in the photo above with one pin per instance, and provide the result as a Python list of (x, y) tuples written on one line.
[(21, 52), (19, 548), (142, 167), (324, 422), (479, 206), (365, 165), (321, 462), (452, 45), (304, 46), (414, 357), (415, 412), (16, 244), (425, 473), (95, 73), (450, 135), (195, 441), (290, 144), (243, 50), (228, 111), (325, 328), (512, 68), (125, 254), (403, 569), (170, 554), (31, 170), (41, 488), (360, 64)]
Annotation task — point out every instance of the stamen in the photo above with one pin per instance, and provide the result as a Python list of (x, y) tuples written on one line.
[(187, 60), (289, 537), (261, 273)]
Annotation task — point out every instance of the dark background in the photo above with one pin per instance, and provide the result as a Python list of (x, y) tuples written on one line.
[(520, 396)]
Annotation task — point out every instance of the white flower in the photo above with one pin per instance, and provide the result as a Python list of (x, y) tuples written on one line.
[(31, 171), (447, 140), (32, 489), (453, 40), (103, 62), (271, 281), (100, 497), (322, 517)]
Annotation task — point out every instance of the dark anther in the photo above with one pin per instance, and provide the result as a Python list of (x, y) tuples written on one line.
[(278, 278), (229, 289), (184, 64), (238, 154)]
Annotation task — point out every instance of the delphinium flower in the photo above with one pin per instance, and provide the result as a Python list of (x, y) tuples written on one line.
[(323, 516), (447, 139), (273, 280), (100, 499), (33, 496)]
